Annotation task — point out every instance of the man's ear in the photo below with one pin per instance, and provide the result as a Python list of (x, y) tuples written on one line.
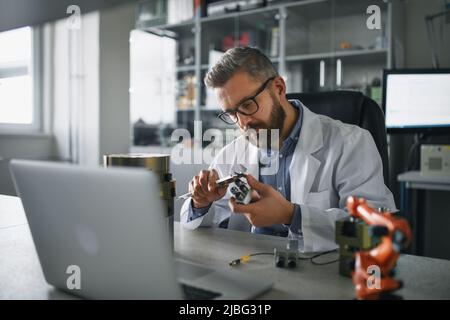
[(280, 86)]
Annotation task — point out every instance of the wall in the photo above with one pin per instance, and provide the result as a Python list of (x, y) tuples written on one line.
[(25, 147), (90, 106), (100, 97), (418, 54), (104, 110), (70, 90), (114, 57)]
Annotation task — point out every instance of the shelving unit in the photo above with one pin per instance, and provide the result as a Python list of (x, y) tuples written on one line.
[(313, 43), (337, 54)]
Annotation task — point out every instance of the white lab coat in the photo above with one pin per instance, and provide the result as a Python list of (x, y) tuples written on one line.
[(331, 162)]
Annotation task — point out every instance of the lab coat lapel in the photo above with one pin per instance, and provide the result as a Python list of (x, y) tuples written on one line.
[(246, 158), (253, 168), (304, 165)]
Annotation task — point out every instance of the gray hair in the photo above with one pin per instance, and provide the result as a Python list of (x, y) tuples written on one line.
[(241, 59)]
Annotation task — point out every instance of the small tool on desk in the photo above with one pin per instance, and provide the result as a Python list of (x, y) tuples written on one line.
[(224, 182)]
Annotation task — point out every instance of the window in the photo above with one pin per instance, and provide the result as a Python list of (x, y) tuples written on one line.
[(18, 112)]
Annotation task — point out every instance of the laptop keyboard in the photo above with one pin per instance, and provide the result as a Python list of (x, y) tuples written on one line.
[(194, 293)]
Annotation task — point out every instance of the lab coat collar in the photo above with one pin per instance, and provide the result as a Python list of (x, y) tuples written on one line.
[(311, 138), (304, 165), (246, 157)]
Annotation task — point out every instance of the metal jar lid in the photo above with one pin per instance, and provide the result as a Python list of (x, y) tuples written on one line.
[(159, 163)]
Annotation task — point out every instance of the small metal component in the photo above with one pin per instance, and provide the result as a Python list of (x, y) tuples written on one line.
[(242, 259), (235, 262), (220, 183), (241, 191), (280, 258), (292, 253), (351, 235), (292, 262), (292, 244), (287, 258)]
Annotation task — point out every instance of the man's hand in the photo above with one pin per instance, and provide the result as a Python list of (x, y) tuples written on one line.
[(204, 190), (269, 206)]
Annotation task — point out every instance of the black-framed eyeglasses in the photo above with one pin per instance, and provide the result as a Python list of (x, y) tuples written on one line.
[(247, 107)]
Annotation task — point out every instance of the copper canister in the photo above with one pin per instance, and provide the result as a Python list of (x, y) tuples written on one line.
[(159, 164)]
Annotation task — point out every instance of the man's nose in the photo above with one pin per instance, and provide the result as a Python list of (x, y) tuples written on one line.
[(244, 120)]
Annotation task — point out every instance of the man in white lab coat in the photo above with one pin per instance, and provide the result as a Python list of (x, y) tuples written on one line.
[(301, 185)]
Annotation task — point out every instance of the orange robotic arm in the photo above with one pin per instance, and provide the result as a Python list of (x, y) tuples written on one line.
[(395, 234)]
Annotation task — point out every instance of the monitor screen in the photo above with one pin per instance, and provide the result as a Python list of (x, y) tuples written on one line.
[(417, 100)]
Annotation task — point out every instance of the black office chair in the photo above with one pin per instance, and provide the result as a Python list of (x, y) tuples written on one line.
[(354, 108)]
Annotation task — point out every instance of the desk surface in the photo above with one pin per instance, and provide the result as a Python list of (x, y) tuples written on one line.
[(21, 275)]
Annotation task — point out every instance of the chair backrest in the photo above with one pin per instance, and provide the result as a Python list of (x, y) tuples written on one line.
[(354, 108)]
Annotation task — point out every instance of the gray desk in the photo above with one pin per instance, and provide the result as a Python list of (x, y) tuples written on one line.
[(21, 276), (414, 181)]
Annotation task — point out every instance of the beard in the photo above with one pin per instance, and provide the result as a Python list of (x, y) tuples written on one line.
[(267, 135)]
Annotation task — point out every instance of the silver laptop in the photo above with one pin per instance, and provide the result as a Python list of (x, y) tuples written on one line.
[(106, 227)]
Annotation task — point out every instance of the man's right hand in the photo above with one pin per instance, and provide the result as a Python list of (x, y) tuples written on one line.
[(204, 190)]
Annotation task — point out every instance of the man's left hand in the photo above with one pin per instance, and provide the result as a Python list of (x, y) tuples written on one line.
[(270, 207)]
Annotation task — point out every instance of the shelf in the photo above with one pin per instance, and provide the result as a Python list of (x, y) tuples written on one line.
[(336, 54), (240, 13), (190, 68), (185, 68), (179, 25), (343, 8), (202, 108), (294, 4), (260, 10), (338, 8), (190, 23)]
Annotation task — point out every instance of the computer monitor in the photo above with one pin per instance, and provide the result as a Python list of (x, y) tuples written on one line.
[(417, 100)]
